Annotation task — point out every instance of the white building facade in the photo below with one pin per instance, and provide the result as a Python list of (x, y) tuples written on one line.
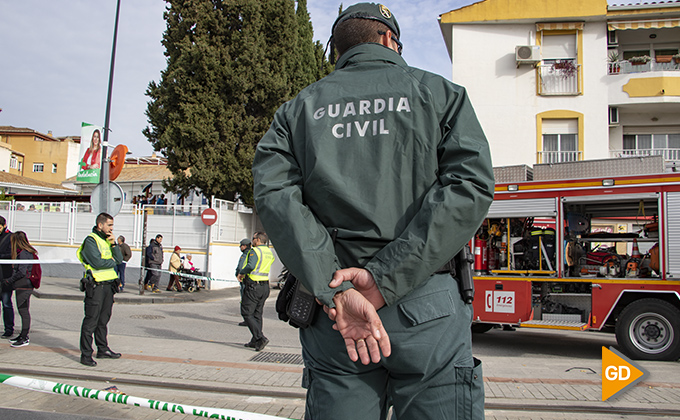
[(560, 81)]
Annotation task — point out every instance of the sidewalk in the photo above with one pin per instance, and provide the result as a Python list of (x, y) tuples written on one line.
[(511, 383)]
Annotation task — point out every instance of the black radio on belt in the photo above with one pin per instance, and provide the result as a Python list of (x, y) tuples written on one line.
[(295, 304)]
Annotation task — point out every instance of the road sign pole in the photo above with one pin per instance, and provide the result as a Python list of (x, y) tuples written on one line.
[(209, 235)]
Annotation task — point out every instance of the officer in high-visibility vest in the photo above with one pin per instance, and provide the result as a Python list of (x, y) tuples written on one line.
[(100, 254), (255, 278)]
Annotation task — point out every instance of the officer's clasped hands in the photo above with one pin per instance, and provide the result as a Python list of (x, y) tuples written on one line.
[(356, 317)]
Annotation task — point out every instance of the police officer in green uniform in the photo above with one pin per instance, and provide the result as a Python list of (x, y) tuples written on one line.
[(392, 162), (244, 246), (255, 278), (100, 254)]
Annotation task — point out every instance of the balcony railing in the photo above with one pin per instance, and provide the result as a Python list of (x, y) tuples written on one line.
[(626, 67), (559, 157), (556, 81), (668, 154)]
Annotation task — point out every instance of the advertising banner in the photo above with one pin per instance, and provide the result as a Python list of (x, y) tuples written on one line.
[(90, 164)]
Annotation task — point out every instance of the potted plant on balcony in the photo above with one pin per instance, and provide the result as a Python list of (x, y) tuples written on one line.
[(614, 66), (566, 68), (639, 60), (663, 58)]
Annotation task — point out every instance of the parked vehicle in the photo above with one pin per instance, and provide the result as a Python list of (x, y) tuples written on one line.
[(585, 254)]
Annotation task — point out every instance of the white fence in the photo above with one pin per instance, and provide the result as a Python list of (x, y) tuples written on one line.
[(57, 229), (668, 153), (69, 222), (558, 157)]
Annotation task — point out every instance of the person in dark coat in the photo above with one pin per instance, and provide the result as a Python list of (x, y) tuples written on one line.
[(21, 284), (6, 273), (127, 254), (154, 259)]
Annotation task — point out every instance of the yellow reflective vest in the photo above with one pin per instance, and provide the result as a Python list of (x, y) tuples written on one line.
[(103, 274), (265, 259)]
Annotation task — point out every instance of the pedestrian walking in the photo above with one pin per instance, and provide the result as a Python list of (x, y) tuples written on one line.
[(175, 266), (21, 284), (154, 258), (99, 254), (369, 182), (127, 254)]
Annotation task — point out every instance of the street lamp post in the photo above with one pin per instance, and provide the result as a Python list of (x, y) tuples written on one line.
[(104, 179)]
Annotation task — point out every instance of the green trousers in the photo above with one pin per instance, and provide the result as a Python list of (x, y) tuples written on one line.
[(430, 374)]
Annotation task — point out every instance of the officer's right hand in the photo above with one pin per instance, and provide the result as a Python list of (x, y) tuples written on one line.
[(360, 326)]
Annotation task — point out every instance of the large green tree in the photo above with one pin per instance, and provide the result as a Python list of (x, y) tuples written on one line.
[(231, 64)]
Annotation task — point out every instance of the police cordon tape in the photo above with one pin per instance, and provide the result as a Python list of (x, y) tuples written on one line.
[(114, 397), (39, 262), (55, 261)]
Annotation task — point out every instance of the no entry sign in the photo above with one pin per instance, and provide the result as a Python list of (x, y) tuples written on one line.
[(209, 217)]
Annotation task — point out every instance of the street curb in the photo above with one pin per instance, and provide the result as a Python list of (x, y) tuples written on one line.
[(581, 408)]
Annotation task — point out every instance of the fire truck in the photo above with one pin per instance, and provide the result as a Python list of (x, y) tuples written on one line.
[(591, 253)]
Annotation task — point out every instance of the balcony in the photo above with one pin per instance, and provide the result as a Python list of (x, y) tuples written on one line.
[(626, 67), (561, 77), (559, 157), (668, 153)]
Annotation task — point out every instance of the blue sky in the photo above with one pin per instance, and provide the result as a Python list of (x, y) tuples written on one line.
[(56, 58)]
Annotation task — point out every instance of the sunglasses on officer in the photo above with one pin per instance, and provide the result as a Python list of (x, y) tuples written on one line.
[(400, 46)]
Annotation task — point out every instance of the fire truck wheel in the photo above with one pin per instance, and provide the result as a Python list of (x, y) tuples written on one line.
[(649, 329), (480, 328)]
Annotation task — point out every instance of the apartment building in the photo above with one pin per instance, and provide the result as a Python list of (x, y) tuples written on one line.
[(559, 81), (39, 156)]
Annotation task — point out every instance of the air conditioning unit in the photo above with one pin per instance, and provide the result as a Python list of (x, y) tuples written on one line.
[(527, 54)]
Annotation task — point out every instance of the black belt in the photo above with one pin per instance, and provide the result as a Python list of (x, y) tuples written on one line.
[(448, 268)]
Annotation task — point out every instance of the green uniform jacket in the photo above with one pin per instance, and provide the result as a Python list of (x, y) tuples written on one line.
[(391, 156)]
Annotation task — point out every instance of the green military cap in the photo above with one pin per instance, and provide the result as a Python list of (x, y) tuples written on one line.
[(371, 11)]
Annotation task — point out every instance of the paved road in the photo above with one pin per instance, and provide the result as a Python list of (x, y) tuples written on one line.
[(192, 353)]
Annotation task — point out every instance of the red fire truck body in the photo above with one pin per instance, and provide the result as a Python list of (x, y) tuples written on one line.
[(585, 254)]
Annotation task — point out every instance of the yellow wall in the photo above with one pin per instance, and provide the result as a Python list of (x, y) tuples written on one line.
[(20, 164), (498, 10), (46, 152), (652, 86)]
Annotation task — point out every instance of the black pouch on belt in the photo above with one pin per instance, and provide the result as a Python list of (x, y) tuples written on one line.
[(295, 304), (87, 279)]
